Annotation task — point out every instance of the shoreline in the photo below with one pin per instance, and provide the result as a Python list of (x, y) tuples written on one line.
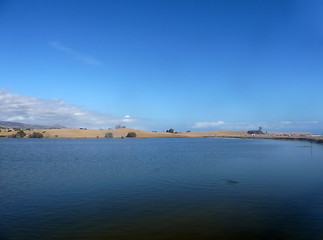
[(69, 133)]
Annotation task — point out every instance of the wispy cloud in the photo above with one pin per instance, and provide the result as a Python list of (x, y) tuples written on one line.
[(207, 124), (27, 109), (127, 119), (303, 122), (77, 55), (283, 126)]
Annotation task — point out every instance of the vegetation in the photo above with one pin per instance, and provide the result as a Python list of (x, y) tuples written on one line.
[(259, 131), (131, 135), (12, 136), (21, 133), (108, 135), (254, 132), (171, 130), (36, 135)]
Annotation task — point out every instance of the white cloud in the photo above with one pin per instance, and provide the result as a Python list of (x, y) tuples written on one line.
[(282, 126), (297, 123), (127, 119), (77, 55), (27, 109), (207, 124), (286, 122)]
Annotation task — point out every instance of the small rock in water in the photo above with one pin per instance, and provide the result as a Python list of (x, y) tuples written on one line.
[(231, 181)]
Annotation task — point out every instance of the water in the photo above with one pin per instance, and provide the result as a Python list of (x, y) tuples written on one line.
[(202, 188)]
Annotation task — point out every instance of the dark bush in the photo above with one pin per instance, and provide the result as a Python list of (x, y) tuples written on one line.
[(12, 136), (21, 133), (108, 135), (170, 130), (36, 135), (255, 132), (131, 135)]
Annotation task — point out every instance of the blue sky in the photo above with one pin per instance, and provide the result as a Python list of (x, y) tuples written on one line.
[(198, 65)]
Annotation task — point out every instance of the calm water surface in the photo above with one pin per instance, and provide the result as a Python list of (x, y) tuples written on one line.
[(202, 188)]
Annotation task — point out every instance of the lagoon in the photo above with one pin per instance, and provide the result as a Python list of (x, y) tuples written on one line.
[(178, 188)]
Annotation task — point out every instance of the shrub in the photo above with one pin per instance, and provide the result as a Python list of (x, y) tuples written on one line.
[(170, 130), (36, 135), (255, 132), (131, 135), (12, 136), (108, 135), (21, 133)]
